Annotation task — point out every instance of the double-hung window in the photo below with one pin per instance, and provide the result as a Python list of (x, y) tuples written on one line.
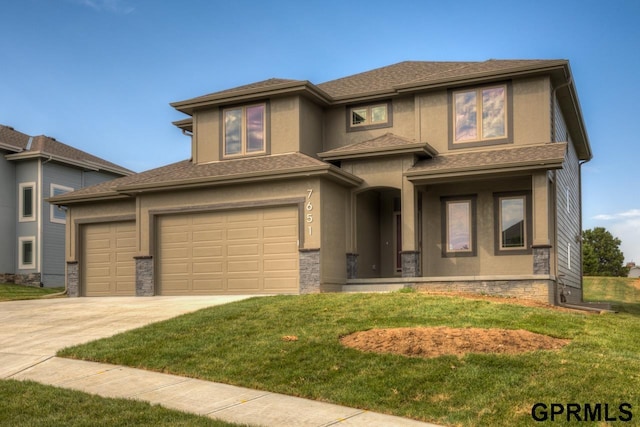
[(480, 115), (512, 223), (27, 201), (459, 226), (244, 130)]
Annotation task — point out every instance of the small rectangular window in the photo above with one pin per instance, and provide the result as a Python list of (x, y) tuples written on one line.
[(244, 130), (369, 116), (27, 202), (512, 223), (58, 214), (459, 229), (26, 252)]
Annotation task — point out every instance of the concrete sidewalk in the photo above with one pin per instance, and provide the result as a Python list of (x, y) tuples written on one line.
[(32, 331)]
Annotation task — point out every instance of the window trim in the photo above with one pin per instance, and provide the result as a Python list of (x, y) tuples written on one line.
[(243, 129), (21, 242), (53, 208), (480, 141), (34, 214), (473, 228), (528, 219), (368, 125)]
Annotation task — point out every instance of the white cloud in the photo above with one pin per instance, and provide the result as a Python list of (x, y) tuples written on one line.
[(626, 227), (114, 6)]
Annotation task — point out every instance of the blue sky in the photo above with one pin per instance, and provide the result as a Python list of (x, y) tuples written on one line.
[(99, 74)]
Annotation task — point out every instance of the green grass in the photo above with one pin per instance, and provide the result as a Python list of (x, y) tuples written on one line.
[(28, 404), (623, 292), (9, 292), (241, 343)]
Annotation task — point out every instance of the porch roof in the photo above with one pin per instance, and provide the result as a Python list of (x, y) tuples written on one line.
[(384, 145), (513, 159)]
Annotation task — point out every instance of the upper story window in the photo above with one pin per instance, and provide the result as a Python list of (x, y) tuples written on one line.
[(369, 116), (481, 115), (244, 130), (58, 214), (27, 202)]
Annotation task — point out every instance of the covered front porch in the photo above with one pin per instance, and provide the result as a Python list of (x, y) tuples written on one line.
[(438, 229)]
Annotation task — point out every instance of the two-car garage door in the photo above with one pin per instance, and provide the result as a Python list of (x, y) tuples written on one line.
[(228, 252), (223, 252)]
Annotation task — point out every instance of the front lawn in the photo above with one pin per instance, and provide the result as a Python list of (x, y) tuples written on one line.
[(10, 292), (29, 404), (290, 345)]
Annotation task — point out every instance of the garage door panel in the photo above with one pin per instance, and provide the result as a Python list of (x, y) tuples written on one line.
[(280, 284), (228, 252), (280, 265), (206, 285), (250, 232), (207, 267), (280, 248), (244, 266), (243, 250)]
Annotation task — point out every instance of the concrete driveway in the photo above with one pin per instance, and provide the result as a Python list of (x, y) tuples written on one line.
[(31, 332), (35, 330)]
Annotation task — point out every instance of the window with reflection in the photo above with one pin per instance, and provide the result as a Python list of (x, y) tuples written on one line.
[(459, 229), (512, 222), (244, 130), (480, 114), (369, 116)]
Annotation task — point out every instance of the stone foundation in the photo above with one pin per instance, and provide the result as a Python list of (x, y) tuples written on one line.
[(352, 266), (73, 279), (309, 271), (31, 279), (410, 263), (530, 289), (541, 259), (145, 285)]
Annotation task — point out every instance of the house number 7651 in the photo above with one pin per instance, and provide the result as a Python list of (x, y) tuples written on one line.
[(309, 209)]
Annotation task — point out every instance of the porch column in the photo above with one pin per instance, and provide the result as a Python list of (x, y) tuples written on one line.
[(541, 244), (410, 255)]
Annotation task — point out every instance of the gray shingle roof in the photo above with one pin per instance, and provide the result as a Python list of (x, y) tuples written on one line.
[(186, 173), (416, 73), (543, 156), (45, 146), (382, 145)]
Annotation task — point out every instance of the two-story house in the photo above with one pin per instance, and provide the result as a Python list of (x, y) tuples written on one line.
[(32, 232), (436, 175)]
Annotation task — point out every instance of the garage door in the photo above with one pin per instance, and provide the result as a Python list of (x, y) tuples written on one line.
[(108, 267), (228, 252)]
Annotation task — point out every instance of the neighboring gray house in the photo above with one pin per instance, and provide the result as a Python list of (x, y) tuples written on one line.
[(32, 232), (634, 270)]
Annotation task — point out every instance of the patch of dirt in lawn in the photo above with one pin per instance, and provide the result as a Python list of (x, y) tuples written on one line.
[(441, 340)]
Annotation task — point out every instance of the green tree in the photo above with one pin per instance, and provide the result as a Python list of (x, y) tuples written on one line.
[(601, 255)]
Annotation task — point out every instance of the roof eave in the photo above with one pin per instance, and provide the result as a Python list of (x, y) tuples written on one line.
[(86, 165), (415, 148), (425, 175), (330, 170), (289, 88), (63, 200)]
